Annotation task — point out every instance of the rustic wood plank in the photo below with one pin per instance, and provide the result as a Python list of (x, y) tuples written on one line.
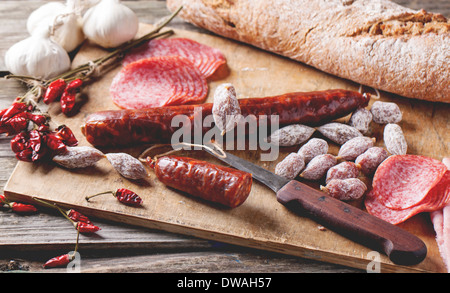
[(227, 259)]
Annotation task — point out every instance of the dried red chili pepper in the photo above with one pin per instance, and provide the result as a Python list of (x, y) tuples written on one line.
[(54, 143), (25, 155), (128, 197), (2, 112), (14, 109), (123, 195), (43, 128), (85, 227), (77, 216), (67, 102), (37, 119), (36, 144), (18, 142), (54, 90), (22, 208), (34, 140), (62, 260), (74, 85), (71, 214), (66, 135), (16, 124), (17, 206), (59, 261)]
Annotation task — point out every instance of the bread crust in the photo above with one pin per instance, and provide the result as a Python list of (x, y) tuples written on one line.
[(376, 43)]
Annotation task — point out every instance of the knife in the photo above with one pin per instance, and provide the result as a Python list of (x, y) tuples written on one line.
[(400, 246)]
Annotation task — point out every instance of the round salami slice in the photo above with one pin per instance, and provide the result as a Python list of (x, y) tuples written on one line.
[(157, 82), (403, 181), (437, 198), (205, 58)]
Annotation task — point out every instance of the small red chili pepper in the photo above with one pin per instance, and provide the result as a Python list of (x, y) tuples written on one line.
[(67, 102), (74, 85), (16, 124), (25, 155), (54, 143), (85, 227), (22, 208), (128, 197), (43, 128), (58, 261), (17, 206), (2, 112), (54, 90), (66, 135), (37, 119), (77, 216), (34, 140), (14, 109), (18, 142), (123, 195), (36, 156)]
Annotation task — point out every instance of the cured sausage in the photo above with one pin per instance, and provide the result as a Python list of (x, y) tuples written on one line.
[(405, 185), (215, 183), (130, 127), (157, 82), (403, 181), (205, 58), (437, 198)]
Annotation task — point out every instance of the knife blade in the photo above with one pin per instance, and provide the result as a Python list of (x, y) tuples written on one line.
[(399, 245)]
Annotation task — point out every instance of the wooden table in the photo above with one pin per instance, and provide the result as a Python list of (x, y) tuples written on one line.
[(26, 242)]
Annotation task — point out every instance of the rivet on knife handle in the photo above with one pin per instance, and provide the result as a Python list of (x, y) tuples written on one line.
[(402, 247)]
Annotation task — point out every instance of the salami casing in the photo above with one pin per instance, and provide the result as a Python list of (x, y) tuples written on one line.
[(215, 183), (130, 127)]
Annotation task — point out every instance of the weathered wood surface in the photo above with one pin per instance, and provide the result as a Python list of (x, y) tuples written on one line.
[(119, 248)]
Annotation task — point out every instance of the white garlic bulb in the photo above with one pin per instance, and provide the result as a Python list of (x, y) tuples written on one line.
[(37, 56), (110, 24), (64, 19)]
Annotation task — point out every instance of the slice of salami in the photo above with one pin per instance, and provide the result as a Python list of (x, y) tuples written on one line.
[(158, 81), (403, 181), (437, 198), (205, 58)]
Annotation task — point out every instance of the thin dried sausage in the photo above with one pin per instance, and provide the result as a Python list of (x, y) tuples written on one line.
[(130, 127)]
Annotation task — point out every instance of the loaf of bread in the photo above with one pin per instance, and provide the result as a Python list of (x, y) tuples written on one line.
[(376, 43)]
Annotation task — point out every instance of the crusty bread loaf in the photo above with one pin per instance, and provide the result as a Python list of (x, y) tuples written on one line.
[(376, 43)]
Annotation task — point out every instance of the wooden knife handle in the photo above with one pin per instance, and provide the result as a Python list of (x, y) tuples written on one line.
[(402, 247)]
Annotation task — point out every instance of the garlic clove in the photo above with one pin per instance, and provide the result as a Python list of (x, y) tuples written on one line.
[(69, 34), (37, 56), (110, 24)]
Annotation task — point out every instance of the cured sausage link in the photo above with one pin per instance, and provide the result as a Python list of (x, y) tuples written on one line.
[(153, 125), (224, 185)]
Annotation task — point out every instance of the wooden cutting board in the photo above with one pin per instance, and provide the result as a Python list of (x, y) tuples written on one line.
[(261, 222)]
